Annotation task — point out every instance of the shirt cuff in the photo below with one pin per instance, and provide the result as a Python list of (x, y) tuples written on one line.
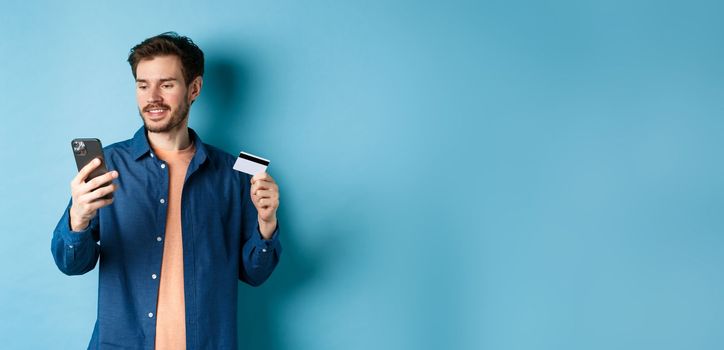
[(265, 246), (74, 237)]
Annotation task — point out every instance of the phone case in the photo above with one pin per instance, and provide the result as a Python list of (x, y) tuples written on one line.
[(84, 151)]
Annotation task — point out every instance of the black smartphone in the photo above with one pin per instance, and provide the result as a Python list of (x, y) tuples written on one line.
[(85, 150)]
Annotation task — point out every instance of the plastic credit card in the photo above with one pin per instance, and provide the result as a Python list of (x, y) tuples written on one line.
[(250, 164)]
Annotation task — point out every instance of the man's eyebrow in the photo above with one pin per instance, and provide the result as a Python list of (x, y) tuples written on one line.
[(163, 80)]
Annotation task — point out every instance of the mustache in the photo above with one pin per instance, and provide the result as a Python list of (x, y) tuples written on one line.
[(155, 105)]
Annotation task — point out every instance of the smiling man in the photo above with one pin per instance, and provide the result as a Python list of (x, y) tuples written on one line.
[(182, 226)]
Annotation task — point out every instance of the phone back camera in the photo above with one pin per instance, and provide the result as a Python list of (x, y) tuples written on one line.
[(79, 148)]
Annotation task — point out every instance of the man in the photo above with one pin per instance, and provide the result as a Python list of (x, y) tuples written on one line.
[(181, 227)]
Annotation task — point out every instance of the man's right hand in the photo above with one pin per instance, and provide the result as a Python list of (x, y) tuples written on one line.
[(88, 196)]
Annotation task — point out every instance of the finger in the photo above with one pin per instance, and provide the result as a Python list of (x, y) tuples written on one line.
[(265, 203), (260, 185), (86, 199), (263, 176), (89, 208), (98, 193), (263, 194), (266, 194), (99, 203), (264, 183), (86, 170), (101, 180)]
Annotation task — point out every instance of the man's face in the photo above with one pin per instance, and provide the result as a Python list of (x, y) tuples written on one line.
[(161, 93)]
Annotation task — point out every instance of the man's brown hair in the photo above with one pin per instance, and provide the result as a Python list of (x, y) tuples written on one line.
[(170, 43)]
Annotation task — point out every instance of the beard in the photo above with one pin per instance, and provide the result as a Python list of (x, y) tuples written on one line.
[(176, 119)]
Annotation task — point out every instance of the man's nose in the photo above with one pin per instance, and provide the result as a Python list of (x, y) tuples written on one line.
[(154, 95)]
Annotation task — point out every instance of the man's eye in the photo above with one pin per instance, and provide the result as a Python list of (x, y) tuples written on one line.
[(142, 87), (166, 86)]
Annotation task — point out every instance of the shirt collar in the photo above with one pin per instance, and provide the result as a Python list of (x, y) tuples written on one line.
[(140, 146)]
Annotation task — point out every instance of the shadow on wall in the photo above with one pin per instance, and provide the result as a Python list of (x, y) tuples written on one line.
[(227, 87)]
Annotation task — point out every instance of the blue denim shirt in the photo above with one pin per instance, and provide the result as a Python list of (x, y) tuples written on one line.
[(221, 243)]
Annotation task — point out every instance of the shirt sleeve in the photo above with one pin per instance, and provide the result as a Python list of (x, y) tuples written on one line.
[(75, 253), (259, 257)]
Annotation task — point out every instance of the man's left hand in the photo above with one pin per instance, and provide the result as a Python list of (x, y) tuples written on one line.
[(265, 196)]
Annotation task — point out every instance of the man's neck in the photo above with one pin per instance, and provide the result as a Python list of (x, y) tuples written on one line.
[(173, 140)]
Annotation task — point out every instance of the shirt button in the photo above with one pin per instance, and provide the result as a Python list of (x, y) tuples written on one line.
[(163, 166), (154, 276), (159, 239), (151, 155), (163, 201), (150, 315), (70, 246), (263, 250)]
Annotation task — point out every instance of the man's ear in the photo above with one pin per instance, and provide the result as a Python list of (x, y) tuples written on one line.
[(195, 88)]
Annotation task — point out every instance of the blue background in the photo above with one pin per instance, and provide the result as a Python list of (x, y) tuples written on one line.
[(458, 174)]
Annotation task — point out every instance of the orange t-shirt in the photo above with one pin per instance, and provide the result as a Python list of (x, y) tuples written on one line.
[(171, 310)]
